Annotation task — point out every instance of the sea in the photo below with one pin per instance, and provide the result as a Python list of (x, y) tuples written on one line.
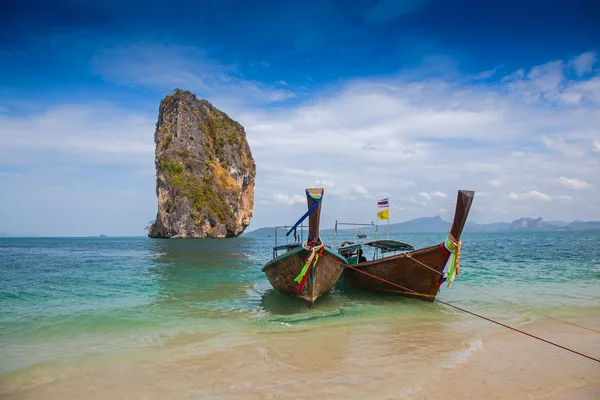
[(134, 317)]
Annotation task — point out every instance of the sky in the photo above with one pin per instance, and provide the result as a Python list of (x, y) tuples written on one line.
[(411, 100)]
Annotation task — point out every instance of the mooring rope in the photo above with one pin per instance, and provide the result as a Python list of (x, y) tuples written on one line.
[(504, 301), (468, 312)]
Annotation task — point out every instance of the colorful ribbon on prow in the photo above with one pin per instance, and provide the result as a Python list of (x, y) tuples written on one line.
[(311, 262), (452, 248)]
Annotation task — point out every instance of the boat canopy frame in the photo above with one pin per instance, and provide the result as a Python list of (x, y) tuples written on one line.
[(288, 246), (383, 246)]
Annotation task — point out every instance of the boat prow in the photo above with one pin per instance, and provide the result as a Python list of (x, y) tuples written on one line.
[(283, 271), (414, 273), (308, 270)]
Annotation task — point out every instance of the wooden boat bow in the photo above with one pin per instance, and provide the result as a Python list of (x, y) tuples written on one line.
[(463, 206)]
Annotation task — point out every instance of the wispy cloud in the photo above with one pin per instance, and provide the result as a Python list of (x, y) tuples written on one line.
[(573, 183), (337, 190), (584, 63), (439, 133), (560, 145), (488, 73), (550, 82), (169, 66), (439, 195), (417, 140), (530, 195), (436, 194), (89, 133), (496, 182), (289, 199)]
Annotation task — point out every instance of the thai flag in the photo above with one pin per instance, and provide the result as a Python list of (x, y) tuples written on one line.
[(383, 203)]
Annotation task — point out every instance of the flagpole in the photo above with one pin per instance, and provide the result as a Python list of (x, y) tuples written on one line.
[(335, 236), (388, 220)]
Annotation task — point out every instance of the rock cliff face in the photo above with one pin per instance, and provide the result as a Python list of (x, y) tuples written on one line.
[(205, 172)]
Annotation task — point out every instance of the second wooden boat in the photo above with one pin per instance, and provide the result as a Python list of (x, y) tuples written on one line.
[(414, 273), (309, 269)]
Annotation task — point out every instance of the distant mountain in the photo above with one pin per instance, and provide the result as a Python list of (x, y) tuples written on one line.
[(493, 227), (261, 232), (585, 226), (537, 224), (559, 223), (421, 225), (437, 224)]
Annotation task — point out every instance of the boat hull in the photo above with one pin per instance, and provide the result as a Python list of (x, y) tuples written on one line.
[(401, 270), (282, 271)]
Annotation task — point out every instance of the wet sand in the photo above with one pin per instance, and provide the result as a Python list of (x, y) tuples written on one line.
[(393, 359)]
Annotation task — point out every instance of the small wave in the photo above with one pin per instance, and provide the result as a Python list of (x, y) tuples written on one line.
[(460, 357), (305, 318), (406, 391)]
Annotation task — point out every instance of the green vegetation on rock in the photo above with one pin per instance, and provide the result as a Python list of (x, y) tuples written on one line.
[(208, 162)]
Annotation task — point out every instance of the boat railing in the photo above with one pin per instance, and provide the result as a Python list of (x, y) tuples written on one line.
[(298, 239), (356, 234)]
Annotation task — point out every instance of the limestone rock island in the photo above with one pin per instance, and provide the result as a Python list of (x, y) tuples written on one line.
[(205, 172)]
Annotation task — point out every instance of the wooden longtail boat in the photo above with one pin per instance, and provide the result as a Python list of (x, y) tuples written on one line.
[(306, 270), (419, 271)]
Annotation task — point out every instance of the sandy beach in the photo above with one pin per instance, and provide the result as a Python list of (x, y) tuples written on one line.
[(379, 360)]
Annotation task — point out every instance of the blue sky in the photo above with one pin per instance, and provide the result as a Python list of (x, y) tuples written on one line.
[(408, 99)]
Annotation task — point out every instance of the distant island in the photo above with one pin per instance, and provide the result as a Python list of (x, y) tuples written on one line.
[(437, 224)]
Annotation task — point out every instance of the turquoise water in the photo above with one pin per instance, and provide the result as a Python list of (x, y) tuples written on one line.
[(62, 299)]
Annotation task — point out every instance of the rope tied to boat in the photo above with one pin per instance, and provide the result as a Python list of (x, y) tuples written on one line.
[(411, 291), (311, 262), (451, 246)]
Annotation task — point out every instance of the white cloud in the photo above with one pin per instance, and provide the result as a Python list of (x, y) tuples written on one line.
[(168, 66), (548, 82), (287, 199), (336, 190), (584, 63), (359, 190), (573, 183), (570, 150), (446, 134), (439, 195), (534, 194), (90, 133), (564, 198), (496, 182), (530, 195), (488, 73), (518, 74), (432, 195)]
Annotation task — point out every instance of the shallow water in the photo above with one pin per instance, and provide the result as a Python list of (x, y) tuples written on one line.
[(192, 310)]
